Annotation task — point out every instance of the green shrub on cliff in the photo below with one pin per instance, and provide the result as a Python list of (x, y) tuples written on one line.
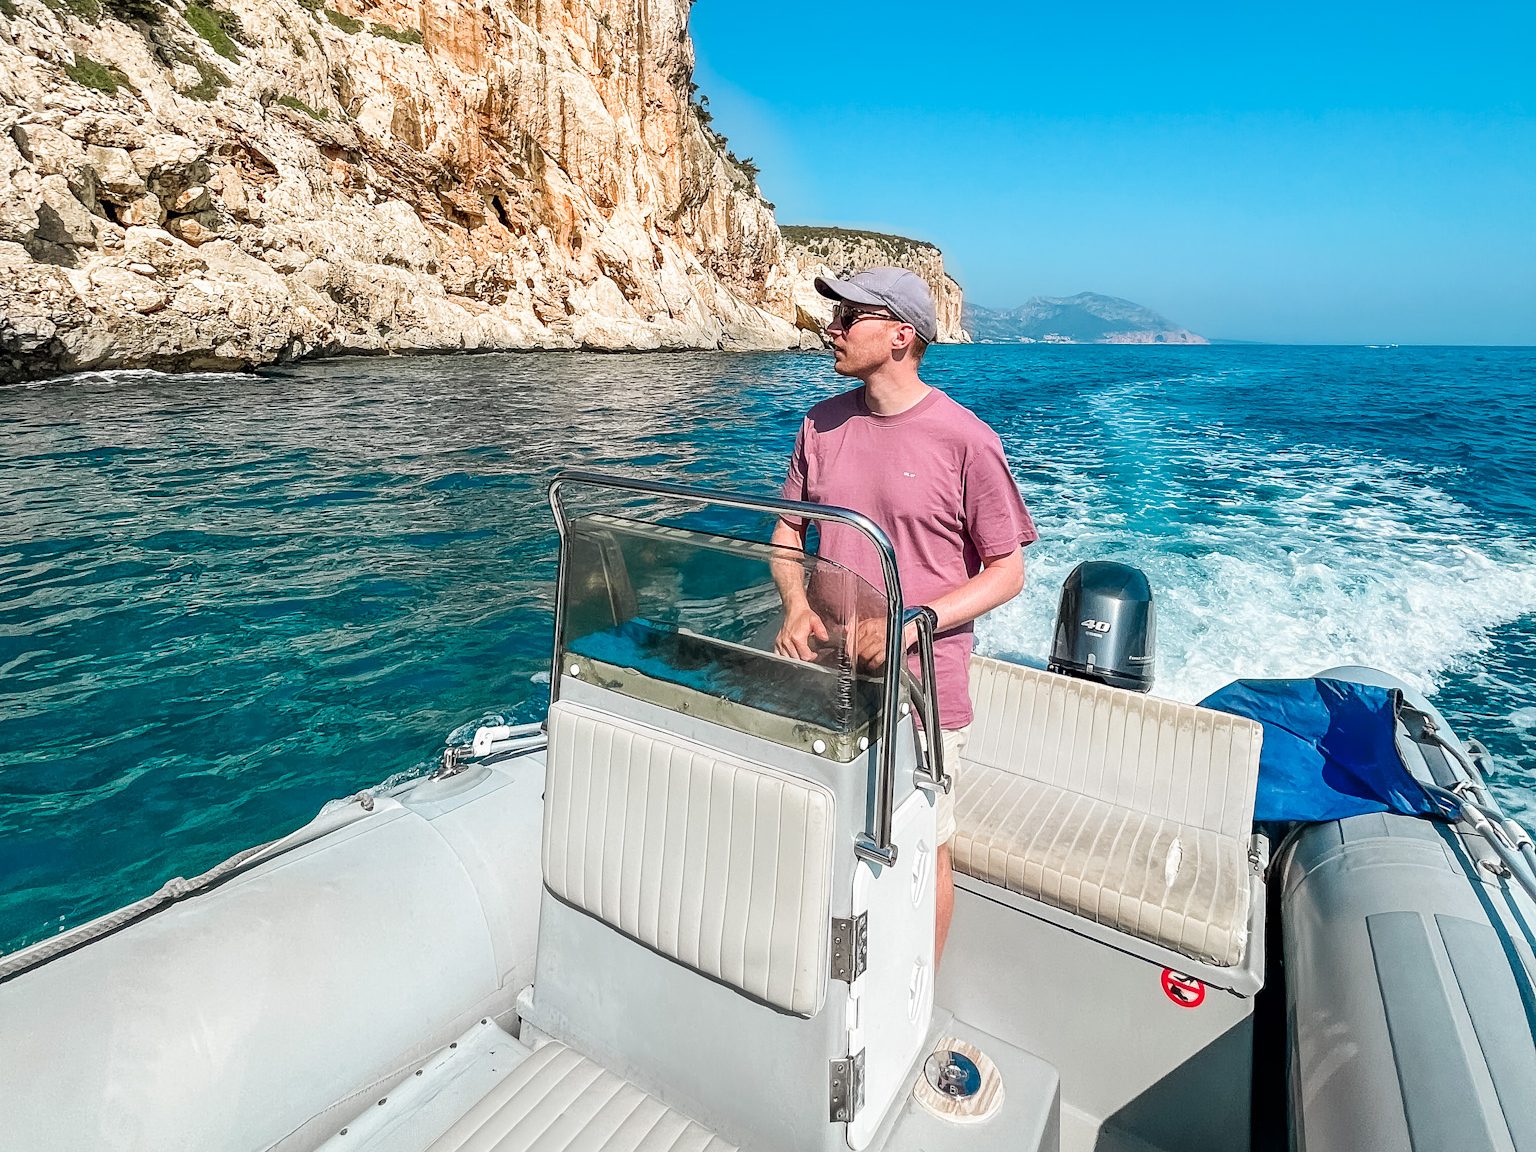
[(348, 24), (148, 11), (210, 79), (745, 165), (221, 29), (897, 248), (400, 35), (91, 11), (7, 9), (299, 106), (87, 10), (94, 74)]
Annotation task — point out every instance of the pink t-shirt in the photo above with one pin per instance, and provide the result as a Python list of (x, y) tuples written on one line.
[(935, 479)]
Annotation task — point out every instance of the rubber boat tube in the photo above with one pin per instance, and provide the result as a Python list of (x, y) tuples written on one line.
[(265, 1011), (1410, 953)]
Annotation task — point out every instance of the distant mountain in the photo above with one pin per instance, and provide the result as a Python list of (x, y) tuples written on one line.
[(1086, 318)]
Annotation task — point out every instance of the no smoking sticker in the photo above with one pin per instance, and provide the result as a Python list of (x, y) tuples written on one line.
[(1185, 991)]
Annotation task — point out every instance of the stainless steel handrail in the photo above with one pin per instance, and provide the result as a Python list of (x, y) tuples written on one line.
[(875, 843), (1509, 840), (937, 775)]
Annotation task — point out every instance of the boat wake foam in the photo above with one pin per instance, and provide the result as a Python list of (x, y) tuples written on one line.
[(1278, 564)]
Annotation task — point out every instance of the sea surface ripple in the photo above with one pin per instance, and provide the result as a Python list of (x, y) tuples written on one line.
[(227, 599)]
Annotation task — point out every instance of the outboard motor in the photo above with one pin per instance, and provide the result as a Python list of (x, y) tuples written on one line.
[(1105, 628)]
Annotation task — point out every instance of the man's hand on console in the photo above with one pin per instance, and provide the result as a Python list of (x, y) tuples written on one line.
[(869, 642), (801, 635)]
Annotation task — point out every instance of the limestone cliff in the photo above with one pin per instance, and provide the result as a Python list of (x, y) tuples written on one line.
[(183, 185), (843, 251)]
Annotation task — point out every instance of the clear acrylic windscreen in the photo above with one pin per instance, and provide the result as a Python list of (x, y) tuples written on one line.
[(686, 620)]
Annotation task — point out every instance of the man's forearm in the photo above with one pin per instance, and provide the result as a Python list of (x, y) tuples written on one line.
[(789, 572), (997, 583)]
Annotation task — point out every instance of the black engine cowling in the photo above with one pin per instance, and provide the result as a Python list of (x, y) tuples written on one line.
[(1105, 627)]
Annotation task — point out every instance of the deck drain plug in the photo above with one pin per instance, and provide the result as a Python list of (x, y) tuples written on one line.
[(959, 1083), (953, 1073)]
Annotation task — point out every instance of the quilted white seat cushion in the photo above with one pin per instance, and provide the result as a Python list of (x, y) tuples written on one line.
[(1126, 809), (719, 863), (559, 1101), (1178, 761), (1185, 888)]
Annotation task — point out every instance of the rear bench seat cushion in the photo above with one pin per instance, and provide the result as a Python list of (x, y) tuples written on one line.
[(1182, 887)]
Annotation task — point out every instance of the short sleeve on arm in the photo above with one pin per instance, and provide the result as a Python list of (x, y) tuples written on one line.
[(995, 514), (794, 481)]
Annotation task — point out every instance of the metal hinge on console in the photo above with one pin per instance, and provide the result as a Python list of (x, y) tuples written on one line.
[(1258, 855), (845, 1084), (850, 947)]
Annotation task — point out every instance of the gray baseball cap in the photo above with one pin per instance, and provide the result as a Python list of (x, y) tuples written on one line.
[(899, 290)]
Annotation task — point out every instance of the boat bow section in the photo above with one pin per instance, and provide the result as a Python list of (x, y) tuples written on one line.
[(247, 1016)]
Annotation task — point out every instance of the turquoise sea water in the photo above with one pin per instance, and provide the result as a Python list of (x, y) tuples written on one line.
[(225, 600)]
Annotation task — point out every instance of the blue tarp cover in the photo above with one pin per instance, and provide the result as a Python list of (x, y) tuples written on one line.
[(1330, 750)]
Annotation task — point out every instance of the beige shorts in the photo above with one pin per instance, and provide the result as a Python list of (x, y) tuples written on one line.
[(954, 743)]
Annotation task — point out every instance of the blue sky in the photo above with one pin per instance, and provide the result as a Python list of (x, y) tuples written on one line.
[(1318, 173)]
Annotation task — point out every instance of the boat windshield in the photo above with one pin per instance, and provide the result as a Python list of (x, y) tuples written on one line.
[(687, 620)]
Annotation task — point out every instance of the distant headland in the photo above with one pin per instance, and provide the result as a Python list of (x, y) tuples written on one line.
[(1087, 318), (843, 251)]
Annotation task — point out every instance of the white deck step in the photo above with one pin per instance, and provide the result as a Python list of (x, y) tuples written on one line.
[(489, 1093)]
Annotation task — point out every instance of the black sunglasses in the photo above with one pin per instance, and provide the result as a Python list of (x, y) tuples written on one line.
[(845, 316)]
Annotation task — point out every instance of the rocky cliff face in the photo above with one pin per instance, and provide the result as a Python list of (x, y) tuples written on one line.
[(183, 185), (842, 251)]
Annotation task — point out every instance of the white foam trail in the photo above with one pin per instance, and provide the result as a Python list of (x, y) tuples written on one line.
[(1278, 564), (129, 376), (1523, 719)]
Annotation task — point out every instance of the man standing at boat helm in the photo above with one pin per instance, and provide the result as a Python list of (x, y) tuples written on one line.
[(932, 475)]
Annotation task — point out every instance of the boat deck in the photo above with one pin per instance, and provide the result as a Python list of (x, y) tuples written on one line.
[(489, 1092)]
